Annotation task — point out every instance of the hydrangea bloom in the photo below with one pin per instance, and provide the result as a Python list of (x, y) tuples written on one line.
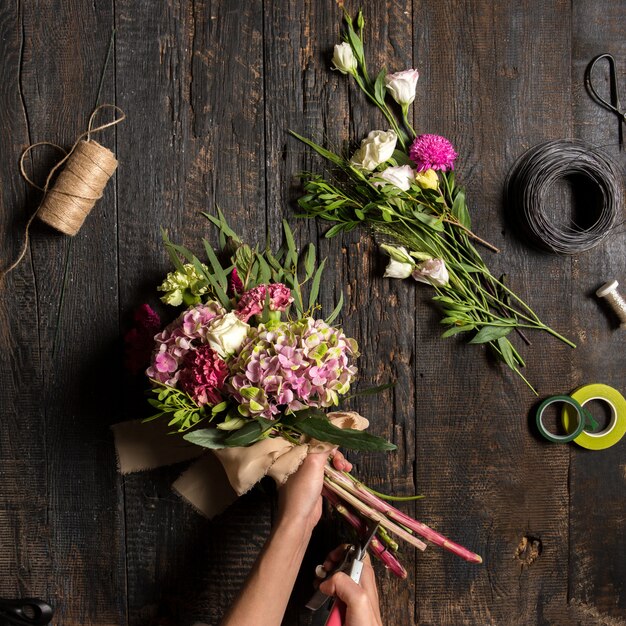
[(253, 301), (182, 287), (432, 152), (185, 333), (292, 365), (203, 375)]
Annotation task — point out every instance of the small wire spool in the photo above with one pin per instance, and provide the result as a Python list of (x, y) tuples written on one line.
[(541, 168)]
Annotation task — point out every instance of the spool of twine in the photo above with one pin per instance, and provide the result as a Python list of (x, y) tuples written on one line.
[(88, 166), (77, 188)]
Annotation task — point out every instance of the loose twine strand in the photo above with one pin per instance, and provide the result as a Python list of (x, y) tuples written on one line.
[(66, 204), (538, 169)]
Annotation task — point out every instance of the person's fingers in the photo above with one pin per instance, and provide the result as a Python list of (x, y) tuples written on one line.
[(340, 463), (335, 557), (368, 580), (342, 586)]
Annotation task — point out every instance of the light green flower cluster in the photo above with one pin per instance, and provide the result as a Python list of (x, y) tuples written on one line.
[(184, 287)]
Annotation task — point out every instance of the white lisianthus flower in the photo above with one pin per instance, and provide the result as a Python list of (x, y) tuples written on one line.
[(397, 269), (401, 264), (432, 272), (226, 334), (344, 59), (427, 179), (375, 149), (401, 86), (401, 176)]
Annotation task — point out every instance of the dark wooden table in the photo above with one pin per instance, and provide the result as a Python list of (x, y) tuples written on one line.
[(210, 90)]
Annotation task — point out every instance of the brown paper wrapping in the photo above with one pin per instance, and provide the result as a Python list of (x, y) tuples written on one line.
[(216, 479)]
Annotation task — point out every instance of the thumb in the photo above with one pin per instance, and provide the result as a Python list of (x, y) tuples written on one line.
[(342, 586)]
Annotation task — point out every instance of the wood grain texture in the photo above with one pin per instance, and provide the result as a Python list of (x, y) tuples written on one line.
[(210, 88)]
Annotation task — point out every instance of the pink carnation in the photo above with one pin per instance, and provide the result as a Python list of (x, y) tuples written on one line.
[(253, 301), (432, 152), (182, 335), (203, 375)]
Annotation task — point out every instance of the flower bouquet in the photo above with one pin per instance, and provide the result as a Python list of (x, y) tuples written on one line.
[(248, 371), (402, 186)]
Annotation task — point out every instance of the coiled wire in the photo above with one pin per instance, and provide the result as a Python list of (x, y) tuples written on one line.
[(538, 169)]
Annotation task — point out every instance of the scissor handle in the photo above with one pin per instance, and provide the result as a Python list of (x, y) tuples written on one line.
[(26, 611), (337, 615)]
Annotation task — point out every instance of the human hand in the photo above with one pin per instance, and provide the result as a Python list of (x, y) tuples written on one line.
[(300, 498), (361, 600)]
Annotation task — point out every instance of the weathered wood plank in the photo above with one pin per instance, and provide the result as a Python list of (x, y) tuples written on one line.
[(597, 571), (198, 111), (54, 433)]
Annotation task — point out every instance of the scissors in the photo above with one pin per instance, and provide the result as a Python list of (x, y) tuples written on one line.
[(352, 564), (25, 612), (614, 105)]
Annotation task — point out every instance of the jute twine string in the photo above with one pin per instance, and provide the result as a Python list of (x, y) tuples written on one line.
[(88, 167)]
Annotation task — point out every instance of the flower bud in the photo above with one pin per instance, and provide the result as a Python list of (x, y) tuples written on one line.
[(427, 179), (401, 86), (344, 59)]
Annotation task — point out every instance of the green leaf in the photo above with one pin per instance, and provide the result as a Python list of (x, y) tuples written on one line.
[(322, 430), (292, 251), (250, 433), (333, 316), (265, 272), (218, 270), (430, 220), (309, 261), (218, 408), (331, 156), (315, 285), (207, 438), (335, 230), (490, 333), (379, 87), (370, 391), (402, 158), (459, 209), (455, 330), (173, 256), (507, 352)]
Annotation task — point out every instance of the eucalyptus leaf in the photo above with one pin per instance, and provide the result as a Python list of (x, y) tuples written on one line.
[(207, 438), (323, 430)]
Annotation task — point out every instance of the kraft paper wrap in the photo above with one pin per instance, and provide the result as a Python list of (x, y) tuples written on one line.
[(218, 477)]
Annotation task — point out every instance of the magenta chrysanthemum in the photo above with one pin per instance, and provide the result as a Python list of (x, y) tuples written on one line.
[(203, 375), (432, 152)]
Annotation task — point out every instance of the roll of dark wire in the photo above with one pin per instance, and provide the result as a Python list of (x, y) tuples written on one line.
[(541, 168)]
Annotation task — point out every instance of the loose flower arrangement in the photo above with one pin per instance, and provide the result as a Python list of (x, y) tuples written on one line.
[(401, 185), (248, 360)]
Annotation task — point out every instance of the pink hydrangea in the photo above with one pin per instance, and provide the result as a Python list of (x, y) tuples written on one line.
[(287, 366), (202, 375), (432, 152), (176, 340), (253, 300)]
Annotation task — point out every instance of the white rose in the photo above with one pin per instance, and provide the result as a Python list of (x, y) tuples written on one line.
[(401, 86), (344, 59), (401, 176), (226, 334), (432, 272), (375, 149), (397, 269)]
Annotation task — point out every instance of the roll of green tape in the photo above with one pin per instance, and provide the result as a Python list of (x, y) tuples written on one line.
[(576, 412), (616, 427)]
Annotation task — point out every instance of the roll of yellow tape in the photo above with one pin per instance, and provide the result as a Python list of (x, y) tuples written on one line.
[(616, 427)]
